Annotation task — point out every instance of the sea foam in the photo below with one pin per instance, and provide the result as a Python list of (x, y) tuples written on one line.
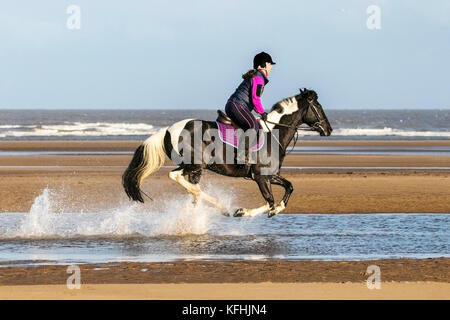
[(78, 129), (104, 129)]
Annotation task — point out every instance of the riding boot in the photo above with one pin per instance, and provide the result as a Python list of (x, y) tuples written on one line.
[(249, 154), (247, 151), (247, 148)]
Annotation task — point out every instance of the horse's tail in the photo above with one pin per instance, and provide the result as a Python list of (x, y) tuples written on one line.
[(148, 158)]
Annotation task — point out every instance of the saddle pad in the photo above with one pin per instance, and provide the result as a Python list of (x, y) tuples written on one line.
[(228, 136)]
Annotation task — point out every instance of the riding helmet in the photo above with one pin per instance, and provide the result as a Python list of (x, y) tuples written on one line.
[(261, 58)]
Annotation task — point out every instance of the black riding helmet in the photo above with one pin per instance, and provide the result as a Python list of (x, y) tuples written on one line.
[(260, 60)]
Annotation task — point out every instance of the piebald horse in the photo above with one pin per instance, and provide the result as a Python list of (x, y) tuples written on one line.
[(284, 120)]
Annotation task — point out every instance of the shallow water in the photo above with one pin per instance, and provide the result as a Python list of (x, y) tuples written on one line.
[(131, 233), (298, 149)]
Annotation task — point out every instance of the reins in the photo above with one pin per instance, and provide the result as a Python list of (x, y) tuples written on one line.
[(315, 127)]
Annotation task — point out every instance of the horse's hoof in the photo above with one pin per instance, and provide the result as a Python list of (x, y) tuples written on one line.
[(271, 214), (239, 213), (226, 214)]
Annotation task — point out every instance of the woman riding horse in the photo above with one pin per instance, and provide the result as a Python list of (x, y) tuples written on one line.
[(282, 122), (247, 96)]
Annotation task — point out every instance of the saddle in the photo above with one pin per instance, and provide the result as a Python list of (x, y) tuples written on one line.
[(227, 128), (223, 118)]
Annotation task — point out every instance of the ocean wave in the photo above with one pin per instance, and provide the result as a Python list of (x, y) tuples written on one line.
[(78, 129), (101, 129), (386, 131)]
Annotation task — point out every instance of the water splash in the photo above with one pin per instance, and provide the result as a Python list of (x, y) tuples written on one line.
[(40, 219), (48, 218)]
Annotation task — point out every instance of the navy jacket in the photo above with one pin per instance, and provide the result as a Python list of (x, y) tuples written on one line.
[(249, 92)]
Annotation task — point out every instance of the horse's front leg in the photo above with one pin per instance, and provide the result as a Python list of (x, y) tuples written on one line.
[(243, 212), (266, 191), (288, 189)]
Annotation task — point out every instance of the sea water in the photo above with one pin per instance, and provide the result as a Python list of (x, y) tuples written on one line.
[(180, 231), (138, 124)]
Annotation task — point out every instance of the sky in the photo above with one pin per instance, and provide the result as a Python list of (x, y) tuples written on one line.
[(191, 54)]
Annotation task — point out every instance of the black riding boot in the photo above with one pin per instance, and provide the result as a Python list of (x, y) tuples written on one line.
[(246, 142)]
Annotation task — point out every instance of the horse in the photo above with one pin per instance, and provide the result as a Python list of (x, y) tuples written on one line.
[(284, 119)]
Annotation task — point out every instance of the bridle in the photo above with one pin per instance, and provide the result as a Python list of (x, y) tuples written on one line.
[(317, 126)]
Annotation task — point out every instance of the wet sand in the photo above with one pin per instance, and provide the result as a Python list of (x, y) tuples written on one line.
[(93, 182), (355, 192), (233, 271), (400, 279), (132, 144)]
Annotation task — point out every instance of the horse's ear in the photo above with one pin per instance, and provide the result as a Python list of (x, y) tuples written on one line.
[(301, 91)]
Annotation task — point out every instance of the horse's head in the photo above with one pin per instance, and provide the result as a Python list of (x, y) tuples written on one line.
[(313, 114)]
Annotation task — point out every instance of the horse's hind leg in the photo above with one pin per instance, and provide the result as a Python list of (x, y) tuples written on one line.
[(191, 185), (177, 176)]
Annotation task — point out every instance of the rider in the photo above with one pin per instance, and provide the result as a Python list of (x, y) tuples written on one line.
[(247, 96)]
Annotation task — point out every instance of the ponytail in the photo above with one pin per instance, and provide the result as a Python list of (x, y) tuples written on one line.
[(249, 74)]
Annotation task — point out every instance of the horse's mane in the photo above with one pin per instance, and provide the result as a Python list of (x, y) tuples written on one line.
[(281, 105)]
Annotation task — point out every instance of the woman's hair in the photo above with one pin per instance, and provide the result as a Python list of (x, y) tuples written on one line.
[(249, 74)]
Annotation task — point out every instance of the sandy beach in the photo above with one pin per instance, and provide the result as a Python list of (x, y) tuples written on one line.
[(401, 279), (232, 291), (93, 182)]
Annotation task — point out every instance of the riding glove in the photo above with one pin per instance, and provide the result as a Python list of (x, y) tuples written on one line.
[(264, 116)]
